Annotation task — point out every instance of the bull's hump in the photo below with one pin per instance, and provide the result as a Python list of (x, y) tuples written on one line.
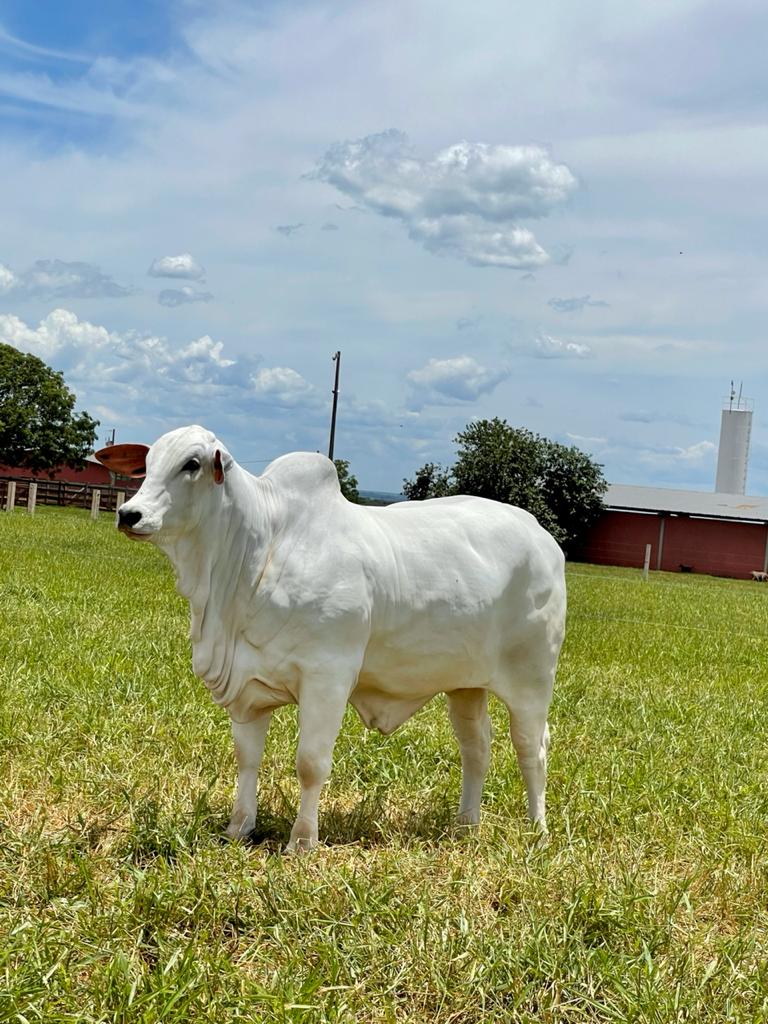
[(303, 471)]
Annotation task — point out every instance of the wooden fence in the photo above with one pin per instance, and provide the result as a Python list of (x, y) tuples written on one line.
[(65, 493)]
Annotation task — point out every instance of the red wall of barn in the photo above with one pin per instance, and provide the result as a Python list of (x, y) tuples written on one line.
[(91, 473), (713, 546), (619, 538)]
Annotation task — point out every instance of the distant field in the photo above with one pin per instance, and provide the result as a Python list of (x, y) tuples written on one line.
[(119, 902)]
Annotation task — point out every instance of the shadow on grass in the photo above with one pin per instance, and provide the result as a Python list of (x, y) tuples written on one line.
[(371, 822)]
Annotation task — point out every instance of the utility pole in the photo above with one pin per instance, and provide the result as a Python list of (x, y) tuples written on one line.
[(336, 358)]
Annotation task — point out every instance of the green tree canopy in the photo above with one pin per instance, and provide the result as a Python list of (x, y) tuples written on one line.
[(39, 428), (561, 485), (347, 481)]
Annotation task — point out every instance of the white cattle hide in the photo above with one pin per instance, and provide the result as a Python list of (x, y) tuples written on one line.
[(298, 596)]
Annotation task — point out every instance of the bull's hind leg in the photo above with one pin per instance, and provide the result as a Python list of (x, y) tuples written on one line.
[(526, 689), (530, 737), (468, 710), (249, 738)]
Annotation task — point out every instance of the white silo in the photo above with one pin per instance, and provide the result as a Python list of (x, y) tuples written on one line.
[(733, 453)]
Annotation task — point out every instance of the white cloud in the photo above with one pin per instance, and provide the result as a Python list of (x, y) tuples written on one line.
[(8, 279), (181, 296), (288, 229), (143, 371), (182, 266), (581, 439), (480, 244), (694, 454), (283, 385), (464, 202), (452, 381), (60, 279), (547, 347), (60, 330)]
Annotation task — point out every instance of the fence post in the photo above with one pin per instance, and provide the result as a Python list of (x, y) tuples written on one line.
[(10, 496), (31, 498), (647, 562), (119, 499), (95, 502)]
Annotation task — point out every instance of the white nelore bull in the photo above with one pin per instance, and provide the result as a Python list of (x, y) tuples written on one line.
[(300, 597)]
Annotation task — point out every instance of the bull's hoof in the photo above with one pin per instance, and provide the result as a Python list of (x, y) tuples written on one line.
[(467, 818), (240, 828), (300, 846)]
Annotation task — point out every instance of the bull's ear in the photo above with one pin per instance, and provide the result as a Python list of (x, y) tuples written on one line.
[(218, 469), (124, 459)]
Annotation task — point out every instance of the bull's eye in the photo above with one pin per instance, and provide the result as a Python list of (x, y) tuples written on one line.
[(190, 467)]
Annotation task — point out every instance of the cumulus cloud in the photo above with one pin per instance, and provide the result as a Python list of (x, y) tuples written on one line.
[(694, 454), (180, 296), (282, 384), (465, 202), (90, 353), (59, 279), (575, 304), (289, 229), (7, 279), (547, 347), (183, 266), (450, 381), (149, 375)]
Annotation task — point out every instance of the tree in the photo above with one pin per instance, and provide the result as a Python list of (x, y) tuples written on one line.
[(38, 426), (560, 485), (347, 481), (431, 481)]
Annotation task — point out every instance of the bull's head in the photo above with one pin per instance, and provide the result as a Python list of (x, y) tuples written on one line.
[(180, 471)]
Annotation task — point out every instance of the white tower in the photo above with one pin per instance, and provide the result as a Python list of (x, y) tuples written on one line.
[(733, 453)]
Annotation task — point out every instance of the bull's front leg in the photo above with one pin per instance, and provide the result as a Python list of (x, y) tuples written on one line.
[(249, 738), (321, 710)]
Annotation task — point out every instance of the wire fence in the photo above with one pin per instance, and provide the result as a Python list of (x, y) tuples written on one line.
[(744, 602)]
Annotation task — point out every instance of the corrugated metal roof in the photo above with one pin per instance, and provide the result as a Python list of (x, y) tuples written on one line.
[(692, 503)]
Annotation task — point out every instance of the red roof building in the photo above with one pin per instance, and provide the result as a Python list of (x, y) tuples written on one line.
[(689, 531)]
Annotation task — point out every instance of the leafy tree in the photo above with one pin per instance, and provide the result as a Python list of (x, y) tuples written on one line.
[(560, 485), (38, 426), (347, 481), (431, 481)]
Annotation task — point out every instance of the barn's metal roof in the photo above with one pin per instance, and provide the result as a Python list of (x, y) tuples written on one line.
[(693, 503)]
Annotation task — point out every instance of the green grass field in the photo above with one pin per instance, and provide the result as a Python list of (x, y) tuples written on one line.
[(120, 902)]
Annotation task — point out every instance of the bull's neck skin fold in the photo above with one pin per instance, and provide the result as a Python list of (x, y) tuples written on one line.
[(217, 566)]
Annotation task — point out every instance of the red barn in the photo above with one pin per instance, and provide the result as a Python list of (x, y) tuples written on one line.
[(689, 531), (92, 473)]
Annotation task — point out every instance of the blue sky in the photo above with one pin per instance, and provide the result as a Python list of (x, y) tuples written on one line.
[(553, 213)]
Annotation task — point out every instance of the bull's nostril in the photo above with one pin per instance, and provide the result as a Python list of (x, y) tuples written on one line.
[(128, 518)]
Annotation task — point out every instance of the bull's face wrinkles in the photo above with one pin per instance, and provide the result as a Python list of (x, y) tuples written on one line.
[(180, 489)]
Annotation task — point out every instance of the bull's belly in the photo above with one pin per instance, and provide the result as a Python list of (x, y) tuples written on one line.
[(389, 690)]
